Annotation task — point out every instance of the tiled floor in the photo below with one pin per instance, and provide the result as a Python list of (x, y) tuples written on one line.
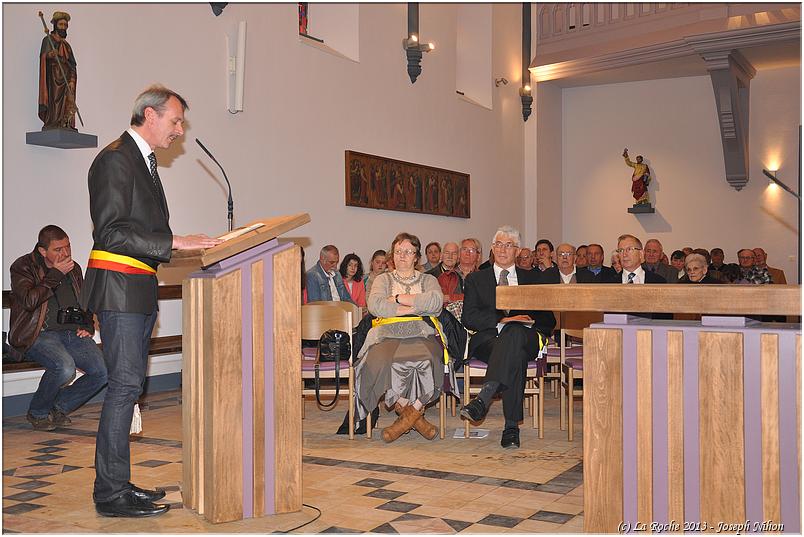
[(412, 485)]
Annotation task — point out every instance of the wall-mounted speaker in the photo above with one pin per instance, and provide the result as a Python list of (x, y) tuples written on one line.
[(235, 67)]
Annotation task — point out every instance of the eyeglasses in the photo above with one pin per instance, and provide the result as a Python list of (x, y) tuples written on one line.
[(565, 254), (628, 250), (469, 249), (404, 253), (503, 245), (449, 254)]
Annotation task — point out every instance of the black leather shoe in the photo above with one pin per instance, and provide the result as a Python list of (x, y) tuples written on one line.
[(474, 410), (145, 494), (510, 438), (129, 505)]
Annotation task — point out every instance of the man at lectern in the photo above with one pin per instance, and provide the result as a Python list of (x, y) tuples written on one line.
[(131, 238)]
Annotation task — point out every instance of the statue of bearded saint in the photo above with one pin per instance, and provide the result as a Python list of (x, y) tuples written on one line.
[(57, 77), (639, 179)]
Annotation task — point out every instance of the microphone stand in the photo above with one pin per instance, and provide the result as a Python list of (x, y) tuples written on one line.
[(230, 203)]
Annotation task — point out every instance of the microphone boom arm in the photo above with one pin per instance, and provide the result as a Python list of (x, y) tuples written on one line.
[(230, 202)]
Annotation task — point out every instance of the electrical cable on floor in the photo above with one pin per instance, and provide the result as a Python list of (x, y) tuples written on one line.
[(308, 522)]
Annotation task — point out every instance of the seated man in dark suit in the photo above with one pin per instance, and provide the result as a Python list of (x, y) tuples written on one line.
[(652, 261), (630, 250), (566, 271), (598, 271), (504, 340)]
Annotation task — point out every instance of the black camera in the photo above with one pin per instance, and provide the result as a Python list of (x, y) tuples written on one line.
[(73, 315)]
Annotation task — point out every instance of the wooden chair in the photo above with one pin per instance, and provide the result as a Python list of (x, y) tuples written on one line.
[(317, 319), (534, 387), (571, 369), (357, 311)]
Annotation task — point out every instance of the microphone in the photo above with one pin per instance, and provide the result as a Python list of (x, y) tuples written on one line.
[(230, 213)]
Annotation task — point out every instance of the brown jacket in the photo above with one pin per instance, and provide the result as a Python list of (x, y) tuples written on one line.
[(777, 275), (32, 285)]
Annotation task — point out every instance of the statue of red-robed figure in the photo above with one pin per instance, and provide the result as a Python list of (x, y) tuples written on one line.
[(57, 76)]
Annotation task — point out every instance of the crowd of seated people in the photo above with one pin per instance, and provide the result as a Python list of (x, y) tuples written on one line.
[(453, 262), (400, 360)]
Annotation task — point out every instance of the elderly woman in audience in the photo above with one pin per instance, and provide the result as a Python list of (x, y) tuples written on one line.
[(351, 270), (377, 267), (696, 268), (616, 264), (402, 358)]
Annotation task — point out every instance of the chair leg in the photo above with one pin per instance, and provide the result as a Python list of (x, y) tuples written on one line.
[(442, 415), (453, 406), (570, 406), (351, 411), (541, 407), (562, 419), (303, 398), (467, 380)]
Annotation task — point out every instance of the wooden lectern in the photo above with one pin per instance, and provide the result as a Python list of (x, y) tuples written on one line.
[(241, 375)]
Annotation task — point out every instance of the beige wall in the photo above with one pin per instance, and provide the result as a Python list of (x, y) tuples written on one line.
[(285, 153), (673, 123)]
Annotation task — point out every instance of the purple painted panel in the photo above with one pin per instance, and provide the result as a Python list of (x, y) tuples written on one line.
[(727, 322), (247, 387), (788, 434), (227, 265), (752, 427), (692, 476), (629, 426), (660, 433)]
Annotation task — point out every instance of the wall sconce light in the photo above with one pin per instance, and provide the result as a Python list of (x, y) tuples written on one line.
[(771, 175), (527, 101), (217, 7), (525, 91), (501, 80), (413, 48)]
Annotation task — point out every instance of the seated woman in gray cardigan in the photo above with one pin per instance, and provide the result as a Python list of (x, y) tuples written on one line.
[(402, 359)]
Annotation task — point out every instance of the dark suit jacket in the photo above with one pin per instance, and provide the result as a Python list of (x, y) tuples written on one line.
[(670, 274), (480, 311), (650, 277), (129, 217), (553, 275), (606, 275)]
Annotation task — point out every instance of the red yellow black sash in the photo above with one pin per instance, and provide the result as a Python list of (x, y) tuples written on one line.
[(100, 259)]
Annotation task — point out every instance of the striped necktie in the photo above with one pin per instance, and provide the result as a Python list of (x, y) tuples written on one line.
[(154, 173), (631, 276)]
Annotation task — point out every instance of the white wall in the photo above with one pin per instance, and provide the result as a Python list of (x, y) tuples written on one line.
[(673, 123), (285, 153)]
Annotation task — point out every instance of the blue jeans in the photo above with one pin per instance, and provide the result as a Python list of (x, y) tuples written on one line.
[(60, 352), (126, 337)]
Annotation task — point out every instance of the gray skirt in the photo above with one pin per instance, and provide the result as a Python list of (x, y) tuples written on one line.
[(412, 368)]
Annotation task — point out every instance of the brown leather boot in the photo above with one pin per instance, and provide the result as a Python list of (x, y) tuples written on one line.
[(403, 424), (424, 427)]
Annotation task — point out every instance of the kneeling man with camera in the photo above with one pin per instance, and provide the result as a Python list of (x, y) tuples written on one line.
[(51, 329)]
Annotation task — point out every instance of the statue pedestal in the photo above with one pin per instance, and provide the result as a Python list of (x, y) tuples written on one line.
[(61, 138), (641, 208)]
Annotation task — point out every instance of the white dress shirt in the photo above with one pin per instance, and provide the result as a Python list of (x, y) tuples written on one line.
[(145, 149), (568, 277), (639, 275)]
